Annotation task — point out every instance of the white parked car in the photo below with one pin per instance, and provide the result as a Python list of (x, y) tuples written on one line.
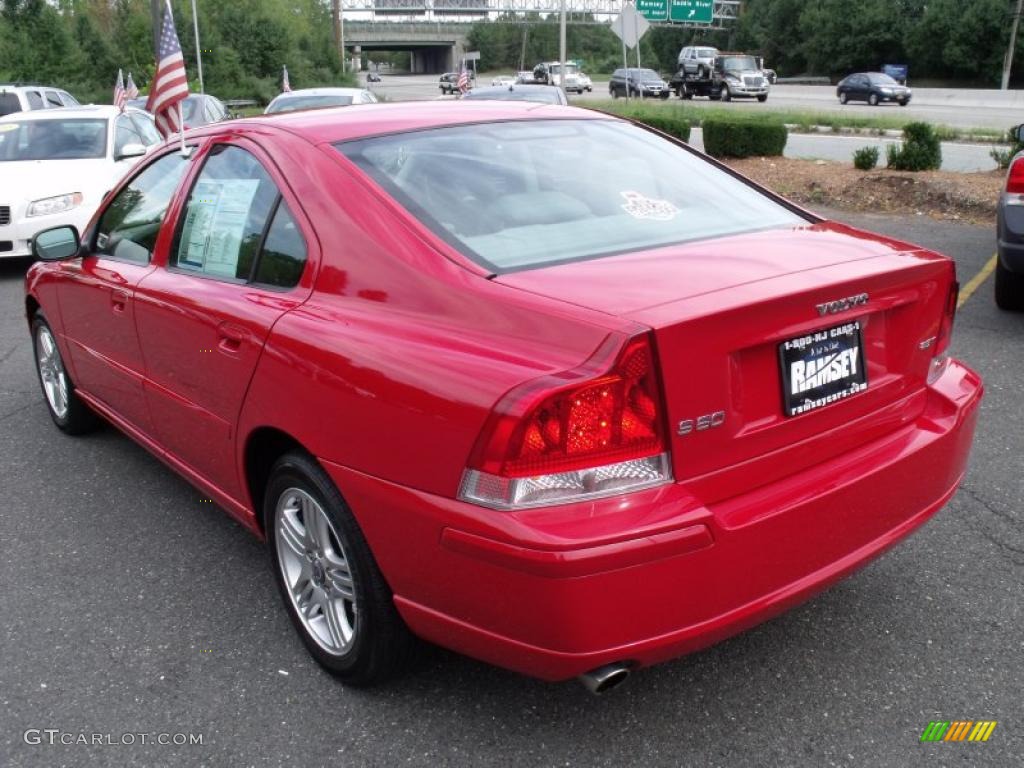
[(25, 98), (57, 164), (318, 98), (505, 80)]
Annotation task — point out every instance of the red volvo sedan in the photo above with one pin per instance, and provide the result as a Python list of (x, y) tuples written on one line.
[(530, 382)]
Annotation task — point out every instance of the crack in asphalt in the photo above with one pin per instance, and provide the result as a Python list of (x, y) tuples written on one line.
[(1007, 516)]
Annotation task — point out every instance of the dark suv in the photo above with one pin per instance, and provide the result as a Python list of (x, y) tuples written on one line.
[(638, 82)]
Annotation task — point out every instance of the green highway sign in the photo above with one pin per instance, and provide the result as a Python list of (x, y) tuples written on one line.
[(653, 10), (692, 11)]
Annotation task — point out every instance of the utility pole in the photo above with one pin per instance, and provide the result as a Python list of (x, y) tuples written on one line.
[(1008, 59), (199, 51), (339, 32), (561, 47)]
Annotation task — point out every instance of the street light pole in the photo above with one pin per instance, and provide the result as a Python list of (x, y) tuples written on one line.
[(1008, 59), (199, 51), (561, 47)]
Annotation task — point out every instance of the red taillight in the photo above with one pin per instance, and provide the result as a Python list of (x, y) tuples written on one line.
[(613, 417), (948, 318), (592, 431), (1015, 178)]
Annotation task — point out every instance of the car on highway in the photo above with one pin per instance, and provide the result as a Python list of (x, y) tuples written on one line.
[(1009, 277), (57, 164), (475, 379), (196, 109), (505, 80), (644, 83), (525, 77), (372, 77), (449, 83), (318, 98), (584, 81), (550, 73), (543, 94), (872, 87), (25, 98)]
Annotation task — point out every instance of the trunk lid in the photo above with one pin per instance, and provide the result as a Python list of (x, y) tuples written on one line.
[(721, 309)]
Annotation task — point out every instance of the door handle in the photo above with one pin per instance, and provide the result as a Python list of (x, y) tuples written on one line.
[(119, 299), (231, 337)]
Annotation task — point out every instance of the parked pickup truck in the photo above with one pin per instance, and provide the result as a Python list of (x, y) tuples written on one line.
[(733, 75)]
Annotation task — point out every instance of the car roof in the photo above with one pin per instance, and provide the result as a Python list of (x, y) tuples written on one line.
[(343, 124), (104, 111), (320, 92)]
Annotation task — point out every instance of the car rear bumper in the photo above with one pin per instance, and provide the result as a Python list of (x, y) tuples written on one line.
[(650, 576)]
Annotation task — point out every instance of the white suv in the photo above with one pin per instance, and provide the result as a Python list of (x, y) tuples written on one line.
[(24, 98)]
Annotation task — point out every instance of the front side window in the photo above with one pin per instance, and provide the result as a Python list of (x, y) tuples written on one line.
[(69, 100), (125, 133), (236, 227), (147, 129), (129, 226), (35, 101), (525, 194), (66, 139), (53, 99)]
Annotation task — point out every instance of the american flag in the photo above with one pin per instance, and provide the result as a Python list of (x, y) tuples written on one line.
[(463, 83), (119, 96), (285, 85), (170, 85), (131, 91)]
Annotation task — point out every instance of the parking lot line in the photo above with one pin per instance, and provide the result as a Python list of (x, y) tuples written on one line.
[(978, 279)]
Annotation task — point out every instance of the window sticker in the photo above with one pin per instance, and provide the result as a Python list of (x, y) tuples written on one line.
[(640, 207), (212, 238)]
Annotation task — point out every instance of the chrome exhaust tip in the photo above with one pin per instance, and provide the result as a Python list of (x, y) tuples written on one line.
[(605, 678)]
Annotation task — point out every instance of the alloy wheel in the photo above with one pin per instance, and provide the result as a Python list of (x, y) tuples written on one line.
[(316, 571), (51, 372)]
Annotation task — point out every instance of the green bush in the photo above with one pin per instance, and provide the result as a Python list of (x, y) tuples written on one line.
[(1004, 156), (666, 123), (743, 137), (920, 150), (865, 158)]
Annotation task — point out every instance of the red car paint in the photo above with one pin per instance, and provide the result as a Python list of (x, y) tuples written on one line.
[(386, 361)]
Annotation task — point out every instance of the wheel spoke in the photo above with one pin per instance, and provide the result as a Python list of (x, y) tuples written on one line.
[(316, 524), (293, 534), (306, 596), (336, 628)]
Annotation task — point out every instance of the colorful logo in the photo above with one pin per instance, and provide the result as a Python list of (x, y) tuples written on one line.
[(958, 730)]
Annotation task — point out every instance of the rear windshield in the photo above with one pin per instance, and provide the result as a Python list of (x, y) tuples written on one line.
[(524, 194), (9, 103), (70, 139), (295, 103)]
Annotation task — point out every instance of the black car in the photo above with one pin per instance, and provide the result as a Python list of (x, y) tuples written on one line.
[(449, 82), (872, 87), (372, 77), (1010, 235), (638, 82)]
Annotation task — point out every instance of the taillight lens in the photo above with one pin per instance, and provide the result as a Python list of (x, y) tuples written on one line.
[(1015, 178), (552, 442)]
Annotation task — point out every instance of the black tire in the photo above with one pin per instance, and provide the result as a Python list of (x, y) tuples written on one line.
[(715, 95), (763, 98), (873, 99), (381, 645), (1009, 288), (664, 95), (904, 102), (614, 93), (78, 418), (843, 98), (726, 93)]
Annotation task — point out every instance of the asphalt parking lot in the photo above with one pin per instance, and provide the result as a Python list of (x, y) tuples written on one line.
[(130, 605)]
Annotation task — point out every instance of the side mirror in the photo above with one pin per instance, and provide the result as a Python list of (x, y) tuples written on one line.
[(55, 244), (1018, 133), (131, 150)]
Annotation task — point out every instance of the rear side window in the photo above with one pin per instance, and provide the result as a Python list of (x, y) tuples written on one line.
[(236, 227), (53, 99), (68, 99), (9, 104), (529, 193), (129, 226)]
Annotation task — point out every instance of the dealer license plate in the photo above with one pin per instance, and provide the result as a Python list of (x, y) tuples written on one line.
[(821, 368)]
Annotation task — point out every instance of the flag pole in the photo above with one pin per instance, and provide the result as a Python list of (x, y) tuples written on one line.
[(199, 52), (185, 152)]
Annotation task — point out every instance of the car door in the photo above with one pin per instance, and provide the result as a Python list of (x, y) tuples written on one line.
[(97, 291), (861, 87), (235, 265)]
